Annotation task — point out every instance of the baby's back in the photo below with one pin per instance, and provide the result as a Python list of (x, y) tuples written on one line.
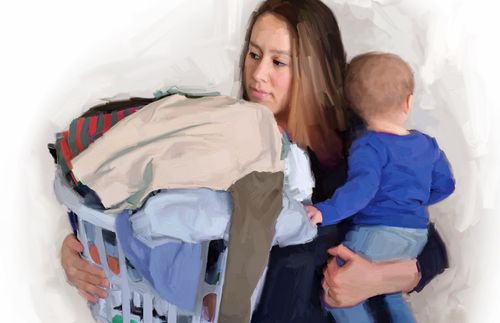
[(406, 178)]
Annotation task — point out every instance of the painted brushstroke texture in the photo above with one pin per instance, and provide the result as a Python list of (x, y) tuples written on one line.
[(58, 58)]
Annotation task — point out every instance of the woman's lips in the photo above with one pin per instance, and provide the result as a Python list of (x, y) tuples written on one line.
[(261, 95)]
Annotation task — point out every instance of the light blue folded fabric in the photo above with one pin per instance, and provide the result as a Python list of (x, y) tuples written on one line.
[(194, 215), (173, 269), (293, 225), (190, 215)]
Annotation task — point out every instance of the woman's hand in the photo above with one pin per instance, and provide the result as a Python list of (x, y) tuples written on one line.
[(87, 278), (359, 279)]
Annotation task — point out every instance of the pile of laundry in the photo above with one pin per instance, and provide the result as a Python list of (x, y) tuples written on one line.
[(184, 169)]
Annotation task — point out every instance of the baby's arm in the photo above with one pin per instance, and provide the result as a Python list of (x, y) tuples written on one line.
[(363, 180), (443, 183)]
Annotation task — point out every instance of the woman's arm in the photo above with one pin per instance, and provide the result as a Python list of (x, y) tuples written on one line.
[(359, 279), (88, 279)]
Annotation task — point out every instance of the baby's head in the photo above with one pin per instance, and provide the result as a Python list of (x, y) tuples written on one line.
[(379, 86)]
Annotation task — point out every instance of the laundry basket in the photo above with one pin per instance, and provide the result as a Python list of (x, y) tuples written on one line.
[(130, 297)]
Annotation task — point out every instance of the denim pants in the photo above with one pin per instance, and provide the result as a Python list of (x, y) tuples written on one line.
[(382, 243)]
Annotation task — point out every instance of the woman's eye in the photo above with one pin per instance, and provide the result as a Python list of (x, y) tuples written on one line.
[(254, 56), (278, 63)]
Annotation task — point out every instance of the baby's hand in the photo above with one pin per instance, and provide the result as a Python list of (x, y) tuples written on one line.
[(314, 214)]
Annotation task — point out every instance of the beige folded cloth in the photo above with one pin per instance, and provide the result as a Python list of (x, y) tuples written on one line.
[(178, 142)]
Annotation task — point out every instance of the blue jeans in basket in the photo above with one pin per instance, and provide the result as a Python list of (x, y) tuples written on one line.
[(382, 243)]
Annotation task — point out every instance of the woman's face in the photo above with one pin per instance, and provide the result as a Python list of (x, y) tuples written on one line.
[(268, 65)]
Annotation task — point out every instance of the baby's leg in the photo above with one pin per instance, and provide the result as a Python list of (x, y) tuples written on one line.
[(398, 309), (360, 312), (355, 314), (381, 243)]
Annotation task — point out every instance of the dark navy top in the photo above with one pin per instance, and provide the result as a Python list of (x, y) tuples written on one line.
[(391, 181)]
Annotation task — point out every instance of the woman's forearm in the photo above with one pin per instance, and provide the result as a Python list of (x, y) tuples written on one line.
[(397, 276)]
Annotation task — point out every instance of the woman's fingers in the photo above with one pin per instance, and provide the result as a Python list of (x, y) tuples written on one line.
[(72, 243), (326, 288), (89, 280), (330, 287), (91, 289), (342, 252), (93, 272), (352, 283), (78, 269), (98, 279), (89, 297)]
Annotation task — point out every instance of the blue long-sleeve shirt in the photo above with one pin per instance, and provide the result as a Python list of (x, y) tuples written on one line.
[(391, 181)]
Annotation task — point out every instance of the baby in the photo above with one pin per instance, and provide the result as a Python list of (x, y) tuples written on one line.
[(394, 174)]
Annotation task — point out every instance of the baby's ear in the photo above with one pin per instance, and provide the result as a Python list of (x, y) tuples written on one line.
[(408, 103)]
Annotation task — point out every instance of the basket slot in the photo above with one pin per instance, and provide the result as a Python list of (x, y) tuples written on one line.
[(101, 250), (124, 284), (220, 282), (172, 313), (82, 236), (148, 307)]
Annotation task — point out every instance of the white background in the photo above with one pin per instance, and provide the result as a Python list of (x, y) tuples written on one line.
[(58, 57)]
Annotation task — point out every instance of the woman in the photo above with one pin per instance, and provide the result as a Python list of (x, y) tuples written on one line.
[(293, 62)]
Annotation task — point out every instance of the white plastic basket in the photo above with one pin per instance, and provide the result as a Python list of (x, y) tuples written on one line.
[(130, 297)]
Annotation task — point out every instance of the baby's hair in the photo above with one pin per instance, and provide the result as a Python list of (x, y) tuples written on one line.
[(377, 83)]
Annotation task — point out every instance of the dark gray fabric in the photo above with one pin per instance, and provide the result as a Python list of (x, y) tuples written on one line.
[(257, 200)]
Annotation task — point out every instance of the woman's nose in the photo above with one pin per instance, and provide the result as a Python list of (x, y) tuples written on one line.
[(261, 72)]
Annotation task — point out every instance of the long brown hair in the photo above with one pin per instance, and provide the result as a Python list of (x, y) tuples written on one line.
[(317, 109)]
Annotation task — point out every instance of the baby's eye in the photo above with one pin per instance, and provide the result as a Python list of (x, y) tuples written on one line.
[(253, 55)]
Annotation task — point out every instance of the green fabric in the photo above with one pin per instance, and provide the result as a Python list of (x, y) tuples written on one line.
[(72, 138), (285, 145), (60, 159), (114, 117), (127, 112), (84, 138), (100, 123), (119, 319), (187, 93)]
